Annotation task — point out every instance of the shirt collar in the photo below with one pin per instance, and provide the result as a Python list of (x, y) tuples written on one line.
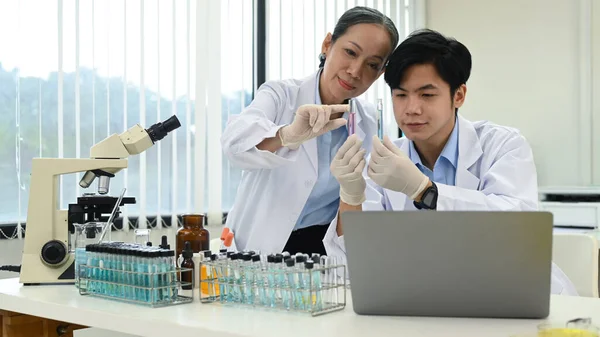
[(450, 151)]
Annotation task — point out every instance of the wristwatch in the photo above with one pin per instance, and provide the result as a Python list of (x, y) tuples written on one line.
[(429, 198)]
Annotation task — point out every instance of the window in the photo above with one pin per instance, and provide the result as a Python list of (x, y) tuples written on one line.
[(73, 72)]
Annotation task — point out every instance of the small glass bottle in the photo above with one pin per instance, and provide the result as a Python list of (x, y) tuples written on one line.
[(194, 232), (187, 277)]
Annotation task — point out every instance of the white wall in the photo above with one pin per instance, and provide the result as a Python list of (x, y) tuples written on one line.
[(527, 74)]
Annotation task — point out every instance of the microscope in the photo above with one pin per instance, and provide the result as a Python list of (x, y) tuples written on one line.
[(46, 253)]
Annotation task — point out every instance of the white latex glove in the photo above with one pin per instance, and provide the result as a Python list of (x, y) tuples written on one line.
[(391, 168), (311, 121), (347, 167)]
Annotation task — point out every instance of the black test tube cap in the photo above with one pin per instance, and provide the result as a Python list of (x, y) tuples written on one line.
[(163, 243)]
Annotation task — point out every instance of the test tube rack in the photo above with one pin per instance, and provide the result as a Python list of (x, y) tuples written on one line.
[(152, 289), (314, 291)]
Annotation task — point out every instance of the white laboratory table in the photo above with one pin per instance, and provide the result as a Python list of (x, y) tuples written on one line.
[(63, 303)]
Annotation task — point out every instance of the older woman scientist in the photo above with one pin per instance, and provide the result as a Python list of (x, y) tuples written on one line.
[(287, 137)]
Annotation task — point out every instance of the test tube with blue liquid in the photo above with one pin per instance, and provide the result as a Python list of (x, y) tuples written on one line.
[(269, 282), (290, 293), (316, 281), (300, 300)]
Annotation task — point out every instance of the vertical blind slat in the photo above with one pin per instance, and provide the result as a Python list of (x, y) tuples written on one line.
[(213, 94), (188, 117), (77, 97), (174, 166), (158, 119), (200, 103), (143, 197)]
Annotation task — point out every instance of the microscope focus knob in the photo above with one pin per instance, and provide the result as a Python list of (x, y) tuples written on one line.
[(54, 252)]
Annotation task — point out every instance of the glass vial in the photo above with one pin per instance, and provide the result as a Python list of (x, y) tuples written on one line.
[(187, 277)]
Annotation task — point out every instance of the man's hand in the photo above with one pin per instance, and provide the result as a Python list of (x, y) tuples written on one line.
[(391, 168), (347, 168), (311, 121)]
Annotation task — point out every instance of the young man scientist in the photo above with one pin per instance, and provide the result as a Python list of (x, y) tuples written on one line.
[(445, 162)]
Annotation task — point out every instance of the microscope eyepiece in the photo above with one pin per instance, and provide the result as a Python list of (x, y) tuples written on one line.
[(159, 130)]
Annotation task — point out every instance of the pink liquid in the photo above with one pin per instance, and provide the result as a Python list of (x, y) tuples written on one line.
[(351, 123)]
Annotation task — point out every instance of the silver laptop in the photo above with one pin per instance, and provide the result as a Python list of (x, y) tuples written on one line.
[(450, 264)]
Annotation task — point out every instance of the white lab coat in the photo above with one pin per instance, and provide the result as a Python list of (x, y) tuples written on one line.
[(495, 171), (275, 186)]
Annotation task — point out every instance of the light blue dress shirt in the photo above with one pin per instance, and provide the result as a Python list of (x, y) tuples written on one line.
[(444, 170), (323, 201)]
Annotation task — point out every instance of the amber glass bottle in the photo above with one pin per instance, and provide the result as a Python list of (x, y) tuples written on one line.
[(187, 276), (193, 231)]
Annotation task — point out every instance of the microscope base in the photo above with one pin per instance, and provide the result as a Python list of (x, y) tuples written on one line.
[(34, 271)]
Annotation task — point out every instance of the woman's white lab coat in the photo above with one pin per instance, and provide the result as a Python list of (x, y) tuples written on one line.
[(275, 186), (495, 171)]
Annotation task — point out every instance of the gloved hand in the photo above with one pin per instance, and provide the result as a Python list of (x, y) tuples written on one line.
[(311, 121), (347, 167), (391, 168)]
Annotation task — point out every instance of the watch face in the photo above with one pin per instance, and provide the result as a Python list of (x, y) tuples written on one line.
[(428, 199)]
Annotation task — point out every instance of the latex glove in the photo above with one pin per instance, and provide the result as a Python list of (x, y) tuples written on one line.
[(347, 167), (311, 121), (391, 168)]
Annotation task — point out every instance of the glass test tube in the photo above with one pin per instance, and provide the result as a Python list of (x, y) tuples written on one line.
[(380, 118), (352, 117)]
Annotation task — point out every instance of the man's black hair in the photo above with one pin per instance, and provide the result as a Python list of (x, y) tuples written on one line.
[(451, 59)]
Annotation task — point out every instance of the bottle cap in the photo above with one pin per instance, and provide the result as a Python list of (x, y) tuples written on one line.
[(246, 257), (187, 250), (207, 254), (309, 264), (271, 258), (255, 258), (290, 262), (163, 243)]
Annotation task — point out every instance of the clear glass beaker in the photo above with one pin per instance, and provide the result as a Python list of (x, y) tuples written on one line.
[(85, 234)]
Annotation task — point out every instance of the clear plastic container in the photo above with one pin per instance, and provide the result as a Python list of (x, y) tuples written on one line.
[(85, 234), (142, 235)]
